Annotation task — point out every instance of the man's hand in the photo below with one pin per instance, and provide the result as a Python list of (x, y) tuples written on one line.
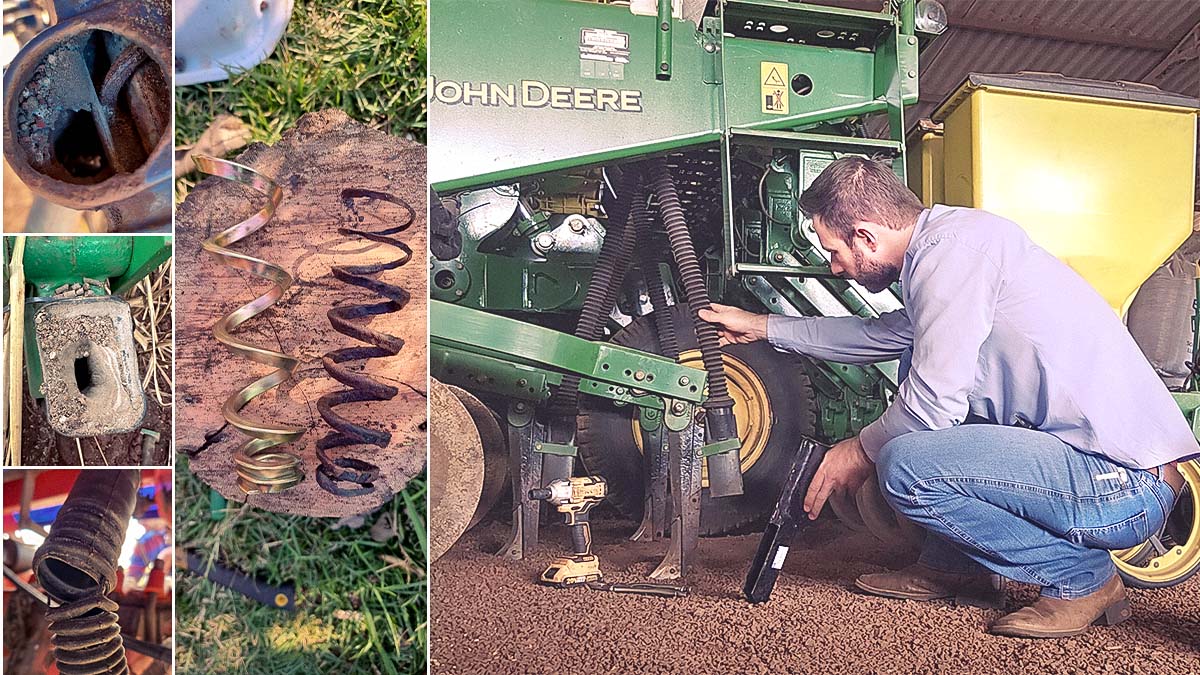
[(844, 469), (735, 325)]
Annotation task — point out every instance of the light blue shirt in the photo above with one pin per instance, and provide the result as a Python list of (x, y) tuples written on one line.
[(1002, 329)]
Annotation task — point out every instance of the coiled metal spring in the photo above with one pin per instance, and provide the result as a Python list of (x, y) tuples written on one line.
[(77, 566), (335, 472), (259, 468)]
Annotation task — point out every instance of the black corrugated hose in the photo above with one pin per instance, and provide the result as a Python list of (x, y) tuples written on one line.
[(77, 566), (607, 277), (724, 471)]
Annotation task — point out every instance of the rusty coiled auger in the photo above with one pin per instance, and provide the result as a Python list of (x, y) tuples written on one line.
[(333, 471), (257, 469), (77, 566)]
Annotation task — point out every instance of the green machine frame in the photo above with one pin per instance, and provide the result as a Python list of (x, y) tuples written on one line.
[(586, 85)]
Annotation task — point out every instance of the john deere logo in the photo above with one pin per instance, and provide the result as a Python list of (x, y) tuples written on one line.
[(535, 94)]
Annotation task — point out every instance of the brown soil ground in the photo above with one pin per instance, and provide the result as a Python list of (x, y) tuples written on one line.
[(488, 615)]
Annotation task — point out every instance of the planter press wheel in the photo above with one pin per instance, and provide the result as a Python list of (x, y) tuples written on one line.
[(1172, 555), (774, 404)]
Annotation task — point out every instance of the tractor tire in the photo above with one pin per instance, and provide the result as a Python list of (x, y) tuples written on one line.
[(608, 447)]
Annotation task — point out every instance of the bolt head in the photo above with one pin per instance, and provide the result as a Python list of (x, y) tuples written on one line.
[(684, 381), (912, 40), (639, 375), (912, 73), (710, 48)]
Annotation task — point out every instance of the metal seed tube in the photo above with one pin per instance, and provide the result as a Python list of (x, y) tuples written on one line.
[(258, 468)]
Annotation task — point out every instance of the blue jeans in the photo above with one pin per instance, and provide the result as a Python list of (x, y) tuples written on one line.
[(1021, 503)]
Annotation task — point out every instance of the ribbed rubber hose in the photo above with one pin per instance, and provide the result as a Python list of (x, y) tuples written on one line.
[(607, 276), (77, 566), (724, 470)]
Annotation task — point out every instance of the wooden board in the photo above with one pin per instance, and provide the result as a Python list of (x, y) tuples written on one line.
[(325, 153)]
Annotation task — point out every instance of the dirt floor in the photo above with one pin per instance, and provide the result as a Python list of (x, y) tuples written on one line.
[(488, 615)]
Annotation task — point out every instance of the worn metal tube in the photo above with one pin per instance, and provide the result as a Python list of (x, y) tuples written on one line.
[(87, 108)]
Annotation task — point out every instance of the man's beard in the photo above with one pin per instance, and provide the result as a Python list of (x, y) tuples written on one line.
[(874, 276)]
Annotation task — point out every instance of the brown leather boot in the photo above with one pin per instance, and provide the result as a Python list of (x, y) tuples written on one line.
[(918, 582), (1052, 617)]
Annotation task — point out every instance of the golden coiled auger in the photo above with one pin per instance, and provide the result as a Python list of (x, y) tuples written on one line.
[(350, 476), (259, 468)]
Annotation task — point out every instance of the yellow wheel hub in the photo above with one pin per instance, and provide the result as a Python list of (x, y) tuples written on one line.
[(750, 405), (1148, 563)]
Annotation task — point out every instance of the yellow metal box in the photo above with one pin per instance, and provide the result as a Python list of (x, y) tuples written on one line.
[(1100, 174)]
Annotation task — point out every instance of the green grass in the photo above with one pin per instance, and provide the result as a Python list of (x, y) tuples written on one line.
[(360, 604), (366, 57)]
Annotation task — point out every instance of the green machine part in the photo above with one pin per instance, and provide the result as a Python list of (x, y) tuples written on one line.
[(586, 88), (784, 84), (51, 262)]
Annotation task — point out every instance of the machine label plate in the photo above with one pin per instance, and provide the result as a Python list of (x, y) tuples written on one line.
[(603, 54), (601, 44), (773, 79)]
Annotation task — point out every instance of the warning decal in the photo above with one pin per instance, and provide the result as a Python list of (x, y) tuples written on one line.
[(773, 77)]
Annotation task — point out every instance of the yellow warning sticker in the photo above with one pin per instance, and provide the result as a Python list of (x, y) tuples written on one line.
[(774, 77)]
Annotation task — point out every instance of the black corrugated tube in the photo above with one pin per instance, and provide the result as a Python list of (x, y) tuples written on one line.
[(724, 471), (607, 277), (77, 566)]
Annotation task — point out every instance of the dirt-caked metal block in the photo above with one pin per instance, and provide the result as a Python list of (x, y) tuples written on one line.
[(89, 366)]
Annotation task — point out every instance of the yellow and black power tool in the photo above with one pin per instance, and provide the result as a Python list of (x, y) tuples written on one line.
[(574, 497)]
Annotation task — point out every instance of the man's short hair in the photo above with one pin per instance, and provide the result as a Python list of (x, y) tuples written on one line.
[(854, 189)]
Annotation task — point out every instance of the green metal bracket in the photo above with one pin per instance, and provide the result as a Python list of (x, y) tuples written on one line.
[(495, 376), (650, 420), (149, 251), (718, 447), (561, 449), (508, 339), (1189, 403), (678, 415), (520, 414), (662, 41)]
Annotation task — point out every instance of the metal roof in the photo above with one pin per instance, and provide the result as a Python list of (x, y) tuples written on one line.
[(1151, 41)]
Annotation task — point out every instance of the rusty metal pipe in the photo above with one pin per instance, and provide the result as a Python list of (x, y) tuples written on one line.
[(87, 108)]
